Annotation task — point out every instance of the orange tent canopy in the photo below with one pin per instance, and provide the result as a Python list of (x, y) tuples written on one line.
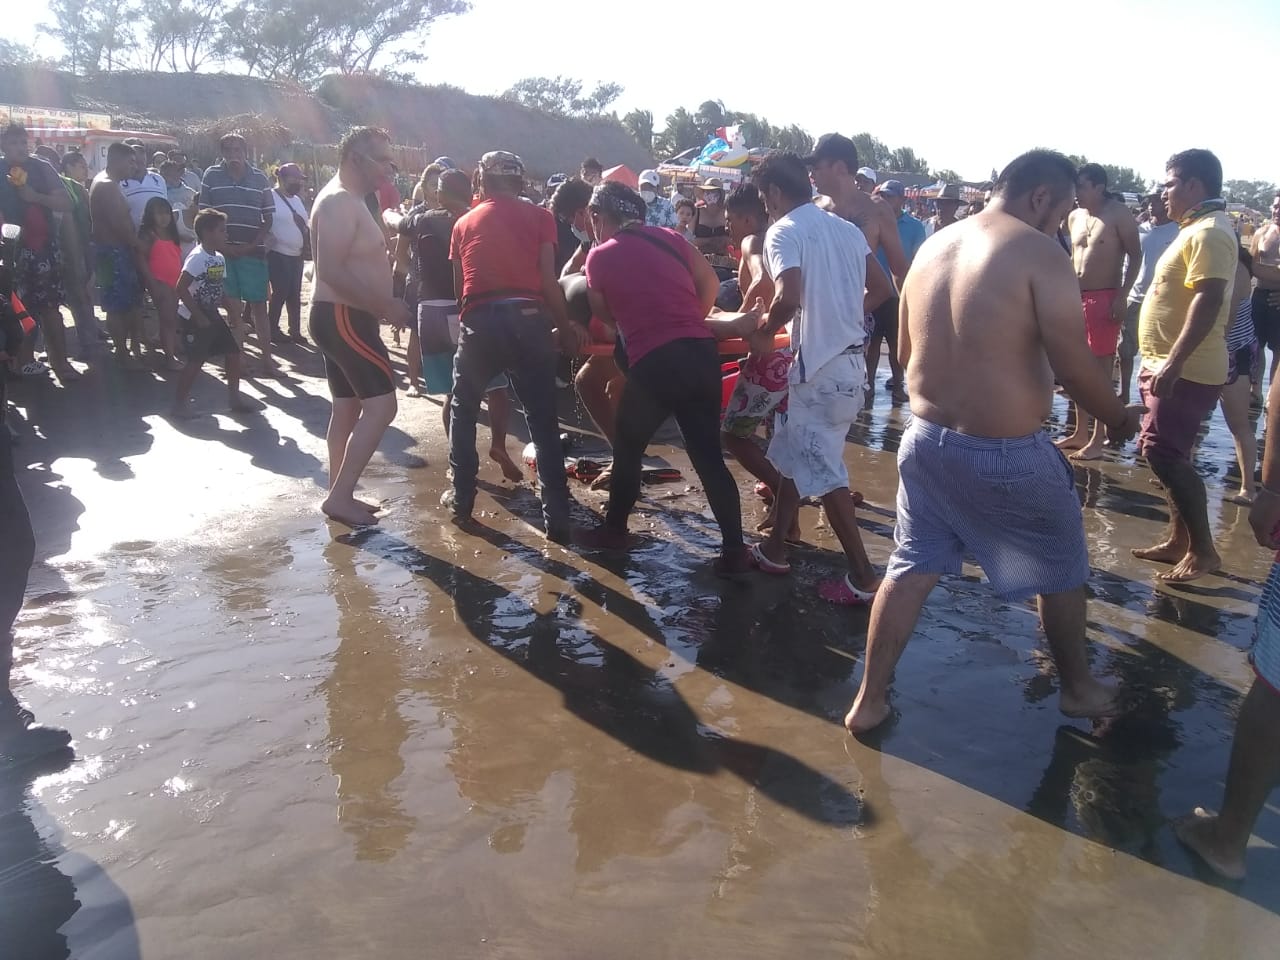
[(623, 174)]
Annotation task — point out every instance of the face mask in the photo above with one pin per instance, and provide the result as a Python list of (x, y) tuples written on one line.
[(648, 196), (582, 235)]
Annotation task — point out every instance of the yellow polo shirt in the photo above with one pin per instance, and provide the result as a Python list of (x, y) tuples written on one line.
[(1205, 249)]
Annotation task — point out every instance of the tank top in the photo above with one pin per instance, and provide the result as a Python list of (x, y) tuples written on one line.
[(1241, 333), (165, 261)]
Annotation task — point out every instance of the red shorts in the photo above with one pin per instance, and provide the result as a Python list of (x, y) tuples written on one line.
[(1102, 331)]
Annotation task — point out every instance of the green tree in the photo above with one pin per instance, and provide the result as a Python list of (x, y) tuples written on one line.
[(872, 152), (96, 34), (22, 55), (793, 139), (1256, 194), (180, 34), (639, 123), (303, 39), (563, 96), (946, 175), (681, 133), (1119, 179), (904, 160)]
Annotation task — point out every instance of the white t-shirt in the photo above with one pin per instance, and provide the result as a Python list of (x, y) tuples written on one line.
[(209, 274), (831, 254), (285, 237), (139, 192), (1154, 241)]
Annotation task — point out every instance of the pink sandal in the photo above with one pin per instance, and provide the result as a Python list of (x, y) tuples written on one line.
[(844, 594), (765, 565)]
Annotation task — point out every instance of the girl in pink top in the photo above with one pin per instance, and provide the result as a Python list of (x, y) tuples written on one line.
[(160, 244)]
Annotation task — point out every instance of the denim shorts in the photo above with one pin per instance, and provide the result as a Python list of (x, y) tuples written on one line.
[(1011, 503)]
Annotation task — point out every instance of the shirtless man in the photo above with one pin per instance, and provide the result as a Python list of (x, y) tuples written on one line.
[(993, 303), (762, 380), (353, 292), (1265, 247), (1103, 232), (834, 169), (120, 268)]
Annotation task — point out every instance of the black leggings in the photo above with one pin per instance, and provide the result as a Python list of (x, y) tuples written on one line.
[(680, 379)]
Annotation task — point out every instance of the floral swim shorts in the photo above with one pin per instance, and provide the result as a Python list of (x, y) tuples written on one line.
[(761, 391)]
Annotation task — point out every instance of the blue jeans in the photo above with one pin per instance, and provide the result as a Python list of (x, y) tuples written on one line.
[(512, 337)]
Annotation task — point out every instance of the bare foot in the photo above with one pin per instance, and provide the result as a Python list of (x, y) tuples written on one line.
[(899, 395), (603, 480), (352, 513), (1093, 701), (1160, 553), (509, 469), (1198, 832), (1073, 442), (864, 716), (371, 507), (1192, 567), (1091, 451)]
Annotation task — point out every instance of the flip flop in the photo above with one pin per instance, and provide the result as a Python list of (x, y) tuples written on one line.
[(652, 475), (844, 594), (765, 565)]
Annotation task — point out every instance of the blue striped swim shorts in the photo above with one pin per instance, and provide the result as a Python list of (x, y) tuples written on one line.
[(1011, 503), (1265, 655)]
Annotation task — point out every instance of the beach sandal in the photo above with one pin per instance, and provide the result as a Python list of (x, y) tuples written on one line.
[(765, 565), (651, 475), (35, 368), (764, 491), (844, 594)]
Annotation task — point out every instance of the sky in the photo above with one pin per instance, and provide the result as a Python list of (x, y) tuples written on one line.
[(1125, 82)]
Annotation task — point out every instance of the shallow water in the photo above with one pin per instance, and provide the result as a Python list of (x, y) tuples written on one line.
[(295, 742)]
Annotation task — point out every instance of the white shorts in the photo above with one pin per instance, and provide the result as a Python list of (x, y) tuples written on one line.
[(808, 441)]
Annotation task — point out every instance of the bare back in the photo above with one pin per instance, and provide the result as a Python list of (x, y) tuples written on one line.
[(112, 225), (974, 306), (343, 228), (1097, 246)]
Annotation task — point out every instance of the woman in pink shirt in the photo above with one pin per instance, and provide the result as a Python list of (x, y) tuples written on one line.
[(655, 290)]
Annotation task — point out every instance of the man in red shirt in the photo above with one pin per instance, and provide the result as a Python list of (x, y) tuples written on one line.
[(512, 310)]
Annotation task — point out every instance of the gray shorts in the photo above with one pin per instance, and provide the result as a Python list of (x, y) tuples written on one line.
[(1129, 332), (1010, 503)]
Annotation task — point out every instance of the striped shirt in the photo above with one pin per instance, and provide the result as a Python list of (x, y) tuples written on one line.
[(1241, 332), (246, 202)]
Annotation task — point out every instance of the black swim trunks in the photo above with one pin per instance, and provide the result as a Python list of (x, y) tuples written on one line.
[(355, 358), (886, 322), (214, 340), (1266, 319)]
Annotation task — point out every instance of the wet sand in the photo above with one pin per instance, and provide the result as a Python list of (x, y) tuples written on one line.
[(298, 742)]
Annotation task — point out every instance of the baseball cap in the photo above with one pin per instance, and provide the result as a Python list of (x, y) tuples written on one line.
[(650, 177), (290, 170), (556, 179), (503, 163), (833, 146), (867, 174), (893, 188), (445, 162)]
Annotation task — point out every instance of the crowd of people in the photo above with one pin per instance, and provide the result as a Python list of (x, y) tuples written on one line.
[(811, 267)]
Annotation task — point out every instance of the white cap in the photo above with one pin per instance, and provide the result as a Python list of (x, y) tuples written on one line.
[(868, 174), (649, 177)]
